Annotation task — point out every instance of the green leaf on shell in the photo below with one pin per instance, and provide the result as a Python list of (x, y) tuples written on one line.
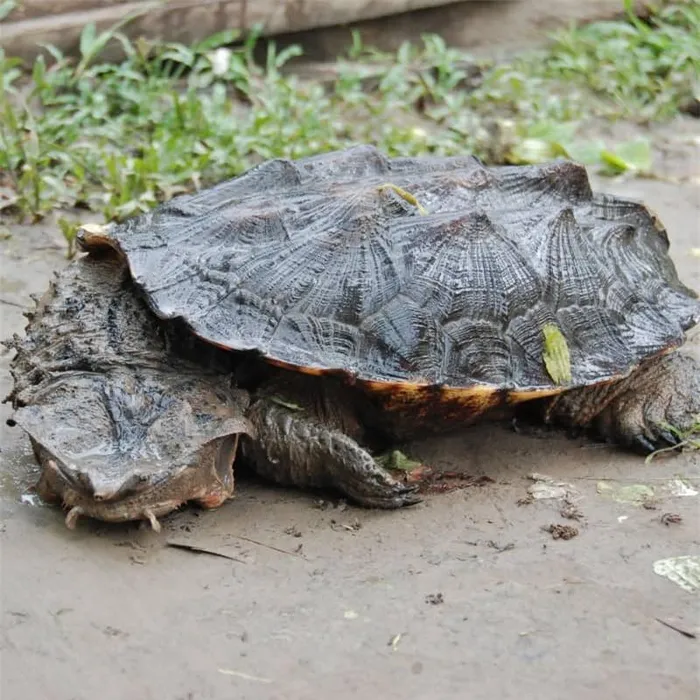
[(404, 195), (556, 357)]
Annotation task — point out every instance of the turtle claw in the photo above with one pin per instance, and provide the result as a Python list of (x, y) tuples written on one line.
[(668, 437), (410, 497), (72, 517), (155, 525), (663, 440), (387, 495)]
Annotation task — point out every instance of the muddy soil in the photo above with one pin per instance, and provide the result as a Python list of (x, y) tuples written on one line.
[(466, 595)]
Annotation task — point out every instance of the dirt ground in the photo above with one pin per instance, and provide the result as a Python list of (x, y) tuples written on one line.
[(463, 596)]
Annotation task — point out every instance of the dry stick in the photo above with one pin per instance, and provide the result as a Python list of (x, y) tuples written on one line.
[(194, 549), (269, 546), (7, 302), (685, 633)]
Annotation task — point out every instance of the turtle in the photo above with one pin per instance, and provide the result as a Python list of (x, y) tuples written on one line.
[(308, 316)]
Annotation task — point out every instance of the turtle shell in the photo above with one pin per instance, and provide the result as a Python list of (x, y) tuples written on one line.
[(415, 274)]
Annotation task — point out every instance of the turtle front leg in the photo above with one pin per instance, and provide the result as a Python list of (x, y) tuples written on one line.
[(636, 412), (294, 445)]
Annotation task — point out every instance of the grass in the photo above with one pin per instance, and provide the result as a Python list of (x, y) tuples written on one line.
[(118, 138), (688, 439)]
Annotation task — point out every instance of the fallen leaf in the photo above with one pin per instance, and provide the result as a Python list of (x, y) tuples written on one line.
[(635, 494), (679, 487), (394, 641), (683, 571), (542, 491), (397, 460), (545, 487)]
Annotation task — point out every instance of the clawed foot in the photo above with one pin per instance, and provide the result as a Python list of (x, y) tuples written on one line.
[(657, 407), (365, 480), (294, 447), (386, 494), (660, 410), (651, 437)]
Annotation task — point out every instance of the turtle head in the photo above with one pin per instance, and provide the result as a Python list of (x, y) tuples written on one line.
[(137, 491), (125, 446)]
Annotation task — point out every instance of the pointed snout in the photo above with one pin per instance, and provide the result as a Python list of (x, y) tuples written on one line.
[(105, 487), (101, 488), (101, 485)]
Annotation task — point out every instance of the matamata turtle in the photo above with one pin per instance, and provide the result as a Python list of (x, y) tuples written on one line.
[(324, 309)]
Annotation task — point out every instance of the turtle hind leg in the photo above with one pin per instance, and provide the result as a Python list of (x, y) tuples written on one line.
[(651, 409), (293, 446)]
